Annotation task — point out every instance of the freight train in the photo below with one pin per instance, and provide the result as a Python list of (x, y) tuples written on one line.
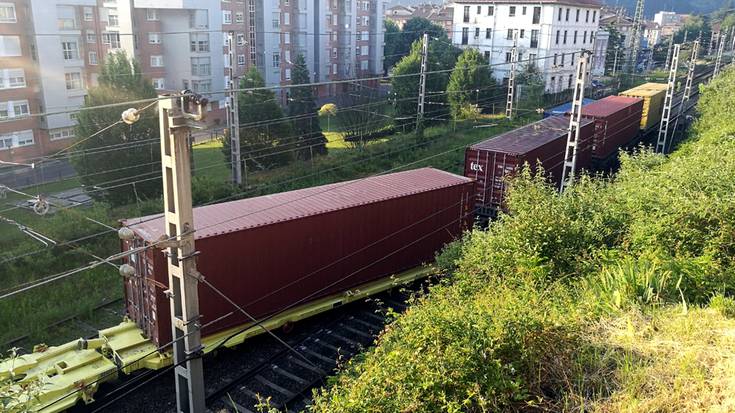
[(288, 256)]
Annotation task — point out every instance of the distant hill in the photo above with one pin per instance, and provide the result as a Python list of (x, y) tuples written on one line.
[(679, 6)]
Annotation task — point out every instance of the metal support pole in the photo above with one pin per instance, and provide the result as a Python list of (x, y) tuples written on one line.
[(686, 35), (668, 51), (636, 36), (512, 77), (570, 156), (732, 41), (663, 131), (688, 88), (615, 61), (422, 81), (711, 44), (233, 121), (183, 278), (718, 61)]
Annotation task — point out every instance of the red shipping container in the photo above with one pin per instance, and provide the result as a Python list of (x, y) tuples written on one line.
[(492, 161), (617, 123), (271, 251)]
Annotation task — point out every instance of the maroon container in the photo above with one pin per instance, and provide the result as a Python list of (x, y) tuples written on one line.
[(617, 122), (492, 161), (269, 252)]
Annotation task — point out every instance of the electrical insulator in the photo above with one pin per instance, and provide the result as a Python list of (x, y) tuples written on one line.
[(125, 234), (130, 116), (127, 271), (41, 206)]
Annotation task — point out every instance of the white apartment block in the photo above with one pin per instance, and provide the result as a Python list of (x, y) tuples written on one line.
[(551, 33)]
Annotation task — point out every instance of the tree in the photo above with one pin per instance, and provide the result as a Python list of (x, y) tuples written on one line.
[(264, 137), (303, 111), (693, 26), (125, 173), (614, 44), (530, 88), (328, 110), (393, 44), (398, 44), (361, 116), (471, 82), (727, 23), (405, 81)]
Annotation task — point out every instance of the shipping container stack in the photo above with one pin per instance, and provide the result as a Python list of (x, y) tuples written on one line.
[(617, 123), (270, 252), (493, 161)]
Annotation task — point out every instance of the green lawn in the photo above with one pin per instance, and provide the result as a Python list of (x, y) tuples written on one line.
[(209, 161)]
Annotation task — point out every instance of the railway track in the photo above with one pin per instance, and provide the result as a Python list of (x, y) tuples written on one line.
[(263, 369)]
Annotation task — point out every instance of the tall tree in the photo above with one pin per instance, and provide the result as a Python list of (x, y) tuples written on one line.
[(265, 138), (136, 162), (530, 88), (693, 26), (393, 44), (471, 83), (303, 111), (405, 81), (614, 43)]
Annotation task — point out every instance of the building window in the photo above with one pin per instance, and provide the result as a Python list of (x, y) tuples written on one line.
[(490, 10), (522, 34), (91, 37), (92, 58), (569, 85), (366, 20), (594, 15), (16, 139), (553, 83), (334, 68), (587, 17), (488, 32), (239, 17), (465, 35), (334, 53), (567, 15), (286, 18), (576, 19), (199, 42), (154, 38), (534, 39), (364, 50), (536, 15), (241, 39), (201, 66), (112, 19), (201, 86), (70, 50), (477, 32), (561, 11), (226, 17), (555, 60), (508, 57), (532, 59), (156, 61), (584, 37), (7, 13), (9, 46), (466, 16), (575, 37), (558, 32), (562, 60), (67, 17), (509, 36), (111, 39), (523, 10), (479, 9), (287, 37), (14, 109), (73, 80), (287, 74), (241, 60), (276, 20), (151, 15), (512, 12), (12, 78), (159, 83), (276, 59), (565, 37), (487, 56), (61, 133)]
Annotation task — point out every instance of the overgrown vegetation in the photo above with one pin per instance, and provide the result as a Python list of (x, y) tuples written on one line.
[(616, 296)]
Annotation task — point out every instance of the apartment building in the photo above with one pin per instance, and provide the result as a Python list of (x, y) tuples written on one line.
[(339, 39), (551, 34)]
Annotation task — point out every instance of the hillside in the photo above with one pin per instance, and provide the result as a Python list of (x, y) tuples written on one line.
[(679, 6), (616, 296)]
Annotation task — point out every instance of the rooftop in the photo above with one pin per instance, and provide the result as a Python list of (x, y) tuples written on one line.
[(579, 3), (529, 137)]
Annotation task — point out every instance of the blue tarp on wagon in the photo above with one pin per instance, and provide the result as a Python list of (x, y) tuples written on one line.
[(564, 108)]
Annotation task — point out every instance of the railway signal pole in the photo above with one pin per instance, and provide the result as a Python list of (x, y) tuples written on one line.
[(570, 156), (663, 130), (233, 121), (718, 61), (512, 77), (422, 81), (668, 51), (183, 278), (688, 88)]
